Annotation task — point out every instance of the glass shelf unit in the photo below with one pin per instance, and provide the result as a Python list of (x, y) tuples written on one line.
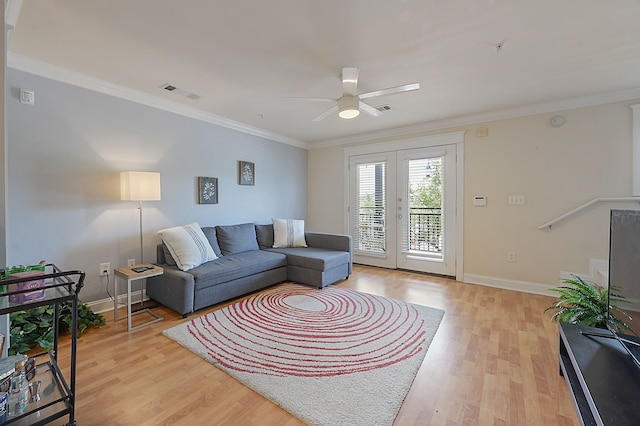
[(57, 393)]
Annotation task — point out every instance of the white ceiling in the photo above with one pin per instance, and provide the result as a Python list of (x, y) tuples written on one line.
[(243, 56)]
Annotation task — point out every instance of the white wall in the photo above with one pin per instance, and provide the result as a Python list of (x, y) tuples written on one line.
[(326, 195), (65, 154), (64, 158), (557, 169)]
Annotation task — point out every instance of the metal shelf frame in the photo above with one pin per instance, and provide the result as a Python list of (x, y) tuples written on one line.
[(58, 394)]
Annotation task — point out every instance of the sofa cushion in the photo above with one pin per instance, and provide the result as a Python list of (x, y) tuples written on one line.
[(237, 265), (313, 258), (264, 233), (237, 238), (188, 245), (168, 259), (288, 233), (210, 233)]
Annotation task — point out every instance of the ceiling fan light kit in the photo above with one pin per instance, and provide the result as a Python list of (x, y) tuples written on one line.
[(350, 103), (348, 107)]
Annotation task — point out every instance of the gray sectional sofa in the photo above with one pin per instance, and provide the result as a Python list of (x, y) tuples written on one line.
[(247, 262)]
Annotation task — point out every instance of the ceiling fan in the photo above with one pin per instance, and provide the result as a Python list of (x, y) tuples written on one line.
[(350, 103)]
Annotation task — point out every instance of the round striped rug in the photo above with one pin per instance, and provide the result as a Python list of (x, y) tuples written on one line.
[(295, 344)]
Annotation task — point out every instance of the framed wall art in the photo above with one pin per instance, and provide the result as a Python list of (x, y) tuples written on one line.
[(207, 190), (246, 173)]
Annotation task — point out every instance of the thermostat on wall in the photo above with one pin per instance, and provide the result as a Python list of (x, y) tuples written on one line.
[(480, 201)]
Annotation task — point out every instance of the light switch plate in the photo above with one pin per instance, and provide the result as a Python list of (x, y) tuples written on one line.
[(516, 199)]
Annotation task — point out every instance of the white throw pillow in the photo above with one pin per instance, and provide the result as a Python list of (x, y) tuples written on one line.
[(188, 245), (288, 233)]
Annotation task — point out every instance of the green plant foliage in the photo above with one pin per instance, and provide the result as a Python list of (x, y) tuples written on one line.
[(428, 192), (583, 302), (35, 326)]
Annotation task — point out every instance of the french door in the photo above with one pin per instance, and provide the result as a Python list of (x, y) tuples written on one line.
[(402, 209), (372, 221)]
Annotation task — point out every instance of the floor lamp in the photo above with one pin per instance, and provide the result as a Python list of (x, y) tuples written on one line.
[(140, 186)]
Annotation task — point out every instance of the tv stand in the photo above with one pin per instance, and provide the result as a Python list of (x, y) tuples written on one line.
[(609, 335), (602, 377)]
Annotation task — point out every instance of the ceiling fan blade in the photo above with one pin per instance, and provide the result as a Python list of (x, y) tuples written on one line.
[(390, 91), (327, 113), (287, 98), (349, 81), (369, 109)]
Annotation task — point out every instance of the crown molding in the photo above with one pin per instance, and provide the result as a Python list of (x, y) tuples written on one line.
[(523, 111), (53, 72)]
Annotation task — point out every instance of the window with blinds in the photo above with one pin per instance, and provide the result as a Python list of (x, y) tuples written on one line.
[(422, 230), (370, 208)]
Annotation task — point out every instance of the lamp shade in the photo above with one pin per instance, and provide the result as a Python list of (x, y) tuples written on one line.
[(139, 186)]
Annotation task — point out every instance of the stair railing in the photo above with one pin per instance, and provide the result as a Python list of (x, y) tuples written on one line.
[(549, 224)]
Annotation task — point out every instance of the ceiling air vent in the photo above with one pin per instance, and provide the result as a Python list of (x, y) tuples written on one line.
[(383, 108), (179, 91)]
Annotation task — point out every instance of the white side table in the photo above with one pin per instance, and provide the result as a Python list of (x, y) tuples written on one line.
[(130, 275)]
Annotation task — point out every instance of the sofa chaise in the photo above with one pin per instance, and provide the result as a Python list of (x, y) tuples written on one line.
[(246, 261)]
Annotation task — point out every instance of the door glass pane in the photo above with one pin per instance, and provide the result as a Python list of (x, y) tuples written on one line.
[(424, 230), (370, 203)]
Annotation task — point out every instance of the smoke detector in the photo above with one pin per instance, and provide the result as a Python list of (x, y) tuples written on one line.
[(558, 120)]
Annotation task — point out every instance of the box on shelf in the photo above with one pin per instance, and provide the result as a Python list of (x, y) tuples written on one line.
[(36, 284), (8, 365)]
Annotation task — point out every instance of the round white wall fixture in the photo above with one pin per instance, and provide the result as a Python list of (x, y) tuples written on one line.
[(558, 120)]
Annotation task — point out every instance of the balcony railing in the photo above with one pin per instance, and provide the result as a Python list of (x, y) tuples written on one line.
[(425, 229), (371, 230), (424, 232)]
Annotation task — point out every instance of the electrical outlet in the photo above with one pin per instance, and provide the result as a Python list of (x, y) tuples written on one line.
[(104, 269), (131, 262), (511, 256)]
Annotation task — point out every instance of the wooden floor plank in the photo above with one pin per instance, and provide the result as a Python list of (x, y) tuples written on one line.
[(493, 361)]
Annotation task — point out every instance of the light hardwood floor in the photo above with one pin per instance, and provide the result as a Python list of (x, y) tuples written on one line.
[(493, 361)]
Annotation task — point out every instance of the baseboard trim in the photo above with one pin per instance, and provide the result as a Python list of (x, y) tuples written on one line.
[(598, 273), (508, 284), (106, 305)]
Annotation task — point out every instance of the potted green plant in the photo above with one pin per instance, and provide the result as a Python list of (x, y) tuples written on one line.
[(584, 302), (33, 327)]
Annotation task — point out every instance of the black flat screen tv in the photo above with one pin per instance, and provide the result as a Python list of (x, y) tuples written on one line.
[(624, 274)]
